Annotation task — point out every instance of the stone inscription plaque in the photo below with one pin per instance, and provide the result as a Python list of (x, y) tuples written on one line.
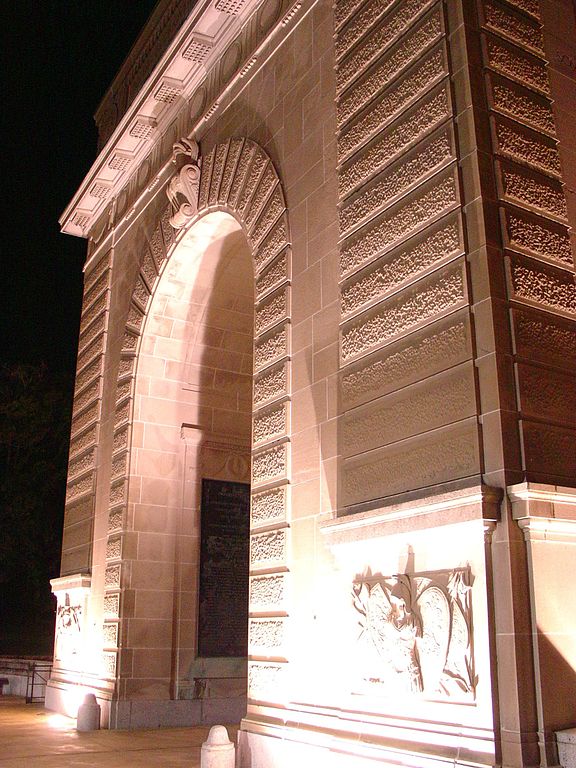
[(224, 553)]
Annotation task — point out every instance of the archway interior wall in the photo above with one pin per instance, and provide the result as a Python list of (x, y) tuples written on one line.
[(237, 177)]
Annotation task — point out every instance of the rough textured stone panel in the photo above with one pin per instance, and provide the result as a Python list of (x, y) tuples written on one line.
[(266, 633), (87, 417), (544, 338), (267, 548), (271, 384), (539, 193), (110, 633), (86, 397), (528, 6), (521, 67), (548, 287), (432, 296), (230, 168), (400, 18), (268, 507), (89, 373), (343, 9), (80, 442), (359, 24), (114, 548), (264, 680), (266, 184), (413, 127), (117, 493), (115, 520), (440, 346), (122, 413), (396, 181), (149, 269), (375, 81), (521, 31), (141, 292), (217, 169), (538, 237), (112, 576), (95, 311), (546, 394), (269, 425), (205, 177), (273, 275), (93, 330), (270, 348), (523, 105), (549, 450), (437, 457), (99, 285), (112, 605), (437, 402), (135, 316), (402, 265), (258, 163), (80, 486), (271, 311), (119, 466), (272, 244), (126, 366), (267, 592), (81, 464), (240, 174), (96, 271), (399, 222), (109, 665), (270, 464), (272, 211), (120, 440), (518, 144)]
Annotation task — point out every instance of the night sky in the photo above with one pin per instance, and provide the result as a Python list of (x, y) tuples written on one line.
[(58, 59)]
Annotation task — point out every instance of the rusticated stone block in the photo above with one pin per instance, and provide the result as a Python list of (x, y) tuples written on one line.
[(119, 465), (270, 348), (275, 274), (438, 401), (400, 221), (382, 37), (135, 316), (94, 311), (272, 244), (149, 269), (546, 394), (234, 149), (343, 9), (271, 213), (524, 146), (268, 507), (112, 605), (205, 178), (80, 442), (544, 338), (264, 680), (423, 354), (93, 330), (96, 288), (126, 366), (271, 464), (117, 493), (88, 374), (216, 176), (141, 292), (268, 593), (271, 384), (443, 455), (396, 180), (269, 425), (114, 548), (522, 31), (80, 486), (268, 549), (271, 311), (123, 389), (115, 519), (110, 635), (549, 287), (240, 174), (537, 236), (129, 342), (442, 241), (359, 24), (81, 463), (259, 162), (433, 296), (87, 396), (266, 633), (549, 450), (89, 416), (268, 181), (528, 6), (523, 105), (414, 125), (424, 75), (112, 577), (109, 665), (122, 413), (95, 272), (537, 192), (518, 65)]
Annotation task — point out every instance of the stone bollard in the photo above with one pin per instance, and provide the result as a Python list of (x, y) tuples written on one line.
[(217, 751), (88, 718)]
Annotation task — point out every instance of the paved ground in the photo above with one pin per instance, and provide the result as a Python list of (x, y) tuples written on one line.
[(31, 737)]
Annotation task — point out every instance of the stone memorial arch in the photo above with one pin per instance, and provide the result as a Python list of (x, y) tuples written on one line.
[(330, 277)]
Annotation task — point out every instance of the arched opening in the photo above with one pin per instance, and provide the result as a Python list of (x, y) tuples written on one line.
[(190, 475)]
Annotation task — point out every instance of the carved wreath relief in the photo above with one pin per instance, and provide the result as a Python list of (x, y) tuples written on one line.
[(416, 634), (182, 191)]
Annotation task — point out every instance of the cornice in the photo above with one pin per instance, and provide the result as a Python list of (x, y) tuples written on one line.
[(212, 52)]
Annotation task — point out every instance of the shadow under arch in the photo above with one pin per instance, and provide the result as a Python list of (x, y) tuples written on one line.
[(241, 206)]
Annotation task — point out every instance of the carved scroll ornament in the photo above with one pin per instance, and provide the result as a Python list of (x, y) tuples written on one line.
[(182, 191), (416, 634)]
